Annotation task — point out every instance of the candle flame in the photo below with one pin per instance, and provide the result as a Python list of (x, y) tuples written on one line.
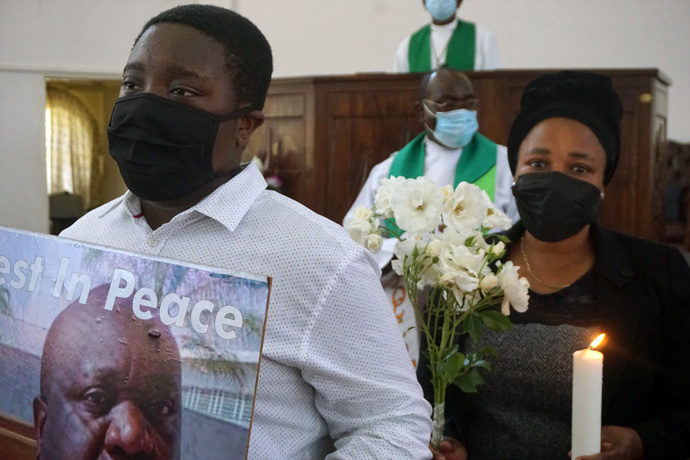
[(595, 343)]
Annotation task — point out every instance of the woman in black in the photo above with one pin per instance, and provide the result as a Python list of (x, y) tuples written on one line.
[(563, 148)]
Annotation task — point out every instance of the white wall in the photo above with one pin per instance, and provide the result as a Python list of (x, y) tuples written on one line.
[(92, 38), (23, 189)]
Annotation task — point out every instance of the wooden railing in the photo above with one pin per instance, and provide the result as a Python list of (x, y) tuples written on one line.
[(16, 439)]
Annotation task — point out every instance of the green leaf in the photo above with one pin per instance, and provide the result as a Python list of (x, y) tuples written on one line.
[(481, 363), (469, 382), (503, 238), (496, 320), (453, 366), (477, 358), (450, 352), (487, 350), (473, 326), (469, 241)]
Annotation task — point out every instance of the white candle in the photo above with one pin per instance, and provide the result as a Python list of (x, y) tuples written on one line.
[(587, 378)]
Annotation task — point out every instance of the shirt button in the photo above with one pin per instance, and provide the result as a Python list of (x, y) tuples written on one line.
[(153, 241)]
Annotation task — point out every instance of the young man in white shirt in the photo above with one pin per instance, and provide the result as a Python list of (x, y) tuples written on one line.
[(334, 381), (460, 44)]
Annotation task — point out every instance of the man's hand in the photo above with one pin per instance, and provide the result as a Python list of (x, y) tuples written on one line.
[(450, 449), (618, 443)]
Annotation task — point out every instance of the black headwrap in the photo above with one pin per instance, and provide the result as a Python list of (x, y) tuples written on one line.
[(583, 96)]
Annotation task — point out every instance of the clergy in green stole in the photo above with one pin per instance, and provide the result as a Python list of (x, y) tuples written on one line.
[(460, 53), (477, 165)]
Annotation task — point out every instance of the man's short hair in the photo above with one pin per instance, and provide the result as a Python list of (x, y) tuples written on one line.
[(248, 55), (444, 68)]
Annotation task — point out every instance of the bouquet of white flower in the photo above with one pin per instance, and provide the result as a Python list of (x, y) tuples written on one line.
[(443, 250)]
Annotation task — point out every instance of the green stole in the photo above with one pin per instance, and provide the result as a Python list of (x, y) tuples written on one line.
[(477, 165), (460, 53)]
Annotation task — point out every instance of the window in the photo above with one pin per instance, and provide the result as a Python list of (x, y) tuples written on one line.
[(72, 146)]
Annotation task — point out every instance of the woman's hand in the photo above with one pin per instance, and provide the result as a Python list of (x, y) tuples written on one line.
[(618, 443), (450, 449)]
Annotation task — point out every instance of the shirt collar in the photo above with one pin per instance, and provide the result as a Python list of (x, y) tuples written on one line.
[(231, 201), (227, 204), (123, 200), (435, 147), (450, 26)]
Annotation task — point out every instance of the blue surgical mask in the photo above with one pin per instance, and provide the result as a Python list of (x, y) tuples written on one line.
[(441, 9), (455, 128)]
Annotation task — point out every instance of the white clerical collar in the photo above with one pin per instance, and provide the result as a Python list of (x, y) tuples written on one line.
[(445, 27), (436, 148)]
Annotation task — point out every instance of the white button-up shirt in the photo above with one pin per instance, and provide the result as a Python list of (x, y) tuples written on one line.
[(334, 371)]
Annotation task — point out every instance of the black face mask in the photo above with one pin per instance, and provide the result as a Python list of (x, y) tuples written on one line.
[(554, 206), (163, 148)]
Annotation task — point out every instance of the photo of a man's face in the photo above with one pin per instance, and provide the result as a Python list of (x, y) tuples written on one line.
[(112, 355), (110, 386)]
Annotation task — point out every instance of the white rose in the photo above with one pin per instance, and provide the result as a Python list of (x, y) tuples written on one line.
[(384, 192), (397, 266), (452, 237), (406, 246), (434, 248), (374, 242), (364, 213), (488, 282), (496, 219), (427, 271), (469, 207), (359, 229), (515, 292), (417, 205), (447, 191), (498, 248), (455, 256), (465, 282), (447, 279), (461, 280)]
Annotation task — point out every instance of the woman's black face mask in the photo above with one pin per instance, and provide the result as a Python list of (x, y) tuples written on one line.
[(163, 148), (554, 206)]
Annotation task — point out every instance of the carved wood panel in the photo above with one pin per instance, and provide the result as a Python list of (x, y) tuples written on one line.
[(328, 132)]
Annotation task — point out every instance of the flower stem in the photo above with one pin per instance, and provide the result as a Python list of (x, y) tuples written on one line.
[(439, 420)]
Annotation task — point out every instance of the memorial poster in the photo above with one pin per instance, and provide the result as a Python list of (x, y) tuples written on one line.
[(108, 351)]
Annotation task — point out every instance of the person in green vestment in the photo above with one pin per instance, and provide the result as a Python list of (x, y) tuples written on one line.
[(449, 150), (460, 44)]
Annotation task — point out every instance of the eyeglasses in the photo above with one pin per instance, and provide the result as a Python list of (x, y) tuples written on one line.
[(469, 103)]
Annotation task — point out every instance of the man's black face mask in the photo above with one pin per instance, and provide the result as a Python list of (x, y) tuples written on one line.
[(554, 206), (163, 148)]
